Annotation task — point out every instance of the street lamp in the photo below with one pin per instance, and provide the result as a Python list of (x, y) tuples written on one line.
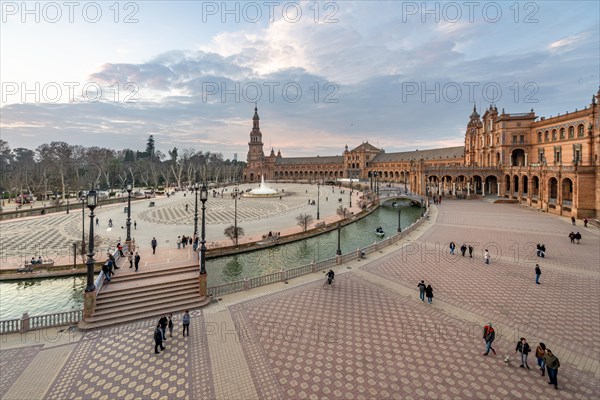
[(318, 198), (92, 202), (235, 192), (67, 199), (350, 192), (426, 185), (339, 249), (399, 217), (128, 240), (203, 198), (82, 225), (196, 187)]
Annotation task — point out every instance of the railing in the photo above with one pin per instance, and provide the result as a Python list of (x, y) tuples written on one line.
[(27, 323)]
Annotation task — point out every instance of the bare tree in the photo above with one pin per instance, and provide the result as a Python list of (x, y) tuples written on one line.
[(230, 232), (304, 220), (342, 211)]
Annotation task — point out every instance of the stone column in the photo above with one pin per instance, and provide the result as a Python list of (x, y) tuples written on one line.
[(468, 189), (454, 188), (202, 285), (483, 189), (498, 189), (89, 304)]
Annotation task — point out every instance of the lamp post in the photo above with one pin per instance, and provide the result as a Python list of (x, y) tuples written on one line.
[(128, 240), (83, 225), (318, 202), (235, 192), (196, 187), (350, 191), (339, 249), (405, 182), (67, 199), (92, 202), (203, 198), (426, 185), (399, 217)]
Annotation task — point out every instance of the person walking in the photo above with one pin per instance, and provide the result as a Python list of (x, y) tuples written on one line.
[(470, 251), (543, 250), (421, 287), (163, 322), (552, 365), (137, 261), (106, 272), (170, 325), (577, 237), (158, 339), (489, 335), (186, 323), (97, 222), (538, 273), (486, 256), (135, 225), (585, 221), (429, 294), (524, 349), (572, 236), (463, 249), (178, 242), (110, 223), (452, 247), (130, 259), (539, 354), (120, 248), (153, 243), (573, 220)]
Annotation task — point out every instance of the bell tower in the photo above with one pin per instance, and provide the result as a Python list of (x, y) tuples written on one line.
[(256, 156)]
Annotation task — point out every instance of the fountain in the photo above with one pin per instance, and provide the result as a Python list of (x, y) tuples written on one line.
[(263, 190)]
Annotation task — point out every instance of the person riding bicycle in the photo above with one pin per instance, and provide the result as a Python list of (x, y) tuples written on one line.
[(330, 276)]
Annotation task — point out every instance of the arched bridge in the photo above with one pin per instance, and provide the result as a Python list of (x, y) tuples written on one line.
[(387, 197)]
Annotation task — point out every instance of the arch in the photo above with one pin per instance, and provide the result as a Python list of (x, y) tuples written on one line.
[(552, 188), (517, 158), (554, 135), (540, 137), (491, 185), (567, 191), (571, 132), (546, 136), (580, 131), (535, 186), (251, 176), (562, 133), (515, 184), (525, 186), (507, 182)]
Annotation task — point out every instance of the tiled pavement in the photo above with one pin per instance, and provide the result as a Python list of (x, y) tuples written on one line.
[(367, 337)]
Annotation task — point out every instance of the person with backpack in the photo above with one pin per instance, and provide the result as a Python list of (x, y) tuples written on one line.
[(186, 323), (552, 365), (421, 287)]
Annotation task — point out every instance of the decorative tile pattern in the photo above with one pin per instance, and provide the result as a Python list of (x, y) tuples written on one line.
[(13, 362)]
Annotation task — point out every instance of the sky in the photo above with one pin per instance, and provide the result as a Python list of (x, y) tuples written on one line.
[(401, 75)]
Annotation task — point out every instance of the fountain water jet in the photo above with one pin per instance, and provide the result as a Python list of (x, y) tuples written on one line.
[(263, 190)]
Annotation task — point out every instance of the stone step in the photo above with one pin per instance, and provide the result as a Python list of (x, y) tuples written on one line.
[(141, 303), (128, 276), (115, 292), (136, 298), (116, 319)]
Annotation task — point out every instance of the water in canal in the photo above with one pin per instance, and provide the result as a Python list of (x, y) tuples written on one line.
[(44, 296)]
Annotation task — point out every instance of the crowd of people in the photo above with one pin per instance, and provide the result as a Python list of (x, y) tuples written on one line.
[(164, 323)]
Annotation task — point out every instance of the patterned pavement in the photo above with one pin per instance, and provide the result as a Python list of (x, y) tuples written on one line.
[(368, 336)]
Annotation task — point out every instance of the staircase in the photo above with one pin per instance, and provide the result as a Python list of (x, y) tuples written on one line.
[(130, 296)]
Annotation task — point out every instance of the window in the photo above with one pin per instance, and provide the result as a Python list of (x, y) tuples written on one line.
[(514, 139), (546, 136), (540, 156), (571, 132), (553, 134), (522, 139), (539, 137), (557, 155), (562, 133), (580, 131)]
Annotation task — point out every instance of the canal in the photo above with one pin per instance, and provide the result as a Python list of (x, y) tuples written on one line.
[(45, 296)]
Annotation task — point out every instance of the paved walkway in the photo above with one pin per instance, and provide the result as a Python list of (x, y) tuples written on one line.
[(52, 236), (367, 337)]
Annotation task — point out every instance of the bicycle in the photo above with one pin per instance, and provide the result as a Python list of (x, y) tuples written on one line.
[(327, 283)]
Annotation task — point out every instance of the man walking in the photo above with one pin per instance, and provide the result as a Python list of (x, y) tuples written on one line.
[(153, 243), (135, 225), (524, 349), (470, 251), (463, 249), (552, 365), (130, 259), (421, 287), (163, 322), (186, 323), (137, 261), (158, 339), (486, 256), (452, 247), (489, 335), (538, 272)]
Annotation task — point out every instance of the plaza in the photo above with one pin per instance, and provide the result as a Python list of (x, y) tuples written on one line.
[(52, 235), (369, 336)]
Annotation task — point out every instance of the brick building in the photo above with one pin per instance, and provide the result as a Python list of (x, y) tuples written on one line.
[(547, 163)]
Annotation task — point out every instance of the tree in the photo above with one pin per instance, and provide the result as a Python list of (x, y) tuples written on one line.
[(150, 147), (304, 220), (230, 232)]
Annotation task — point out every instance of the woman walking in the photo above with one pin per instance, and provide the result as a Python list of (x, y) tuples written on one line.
[(429, 294), (170, 325), (539, 354), (524, 349)]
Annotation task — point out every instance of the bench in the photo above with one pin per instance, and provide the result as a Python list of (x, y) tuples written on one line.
[(27, 268)]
